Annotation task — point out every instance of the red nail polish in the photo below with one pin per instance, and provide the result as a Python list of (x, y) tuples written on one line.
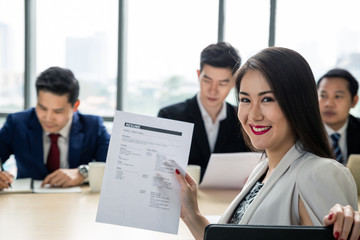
[(331, 216), (336, 235), (177, 171)]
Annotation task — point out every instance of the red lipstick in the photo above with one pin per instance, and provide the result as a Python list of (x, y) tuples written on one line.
[(259, 130)]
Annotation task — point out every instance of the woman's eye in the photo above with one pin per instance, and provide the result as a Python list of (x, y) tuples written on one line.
[(244, 100), (268, 99)]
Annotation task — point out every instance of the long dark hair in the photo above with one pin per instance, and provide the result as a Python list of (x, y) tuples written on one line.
[(292, 81)]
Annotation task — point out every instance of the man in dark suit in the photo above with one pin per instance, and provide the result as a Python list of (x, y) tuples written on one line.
[(337, 91), (53, 141), (216, 127)]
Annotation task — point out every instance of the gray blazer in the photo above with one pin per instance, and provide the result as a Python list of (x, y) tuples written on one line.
[(320, 182)]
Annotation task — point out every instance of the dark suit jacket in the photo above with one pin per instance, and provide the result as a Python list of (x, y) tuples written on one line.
[(22, 135), (353, 135), (229, 137)]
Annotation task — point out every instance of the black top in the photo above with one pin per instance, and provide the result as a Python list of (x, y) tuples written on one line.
[(245, 203)]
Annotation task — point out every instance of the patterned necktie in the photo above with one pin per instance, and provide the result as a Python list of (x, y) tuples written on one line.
[(53, 159), (337, 151)]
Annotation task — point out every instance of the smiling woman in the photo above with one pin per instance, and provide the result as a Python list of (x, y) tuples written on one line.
[(261, 116), (278, 108), (294, 91), (296, 181)]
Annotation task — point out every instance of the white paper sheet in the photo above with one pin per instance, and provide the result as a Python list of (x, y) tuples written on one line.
[(47, 189), (28, 185), (22, 185), (229, 170), (139, 187), (213, 219)]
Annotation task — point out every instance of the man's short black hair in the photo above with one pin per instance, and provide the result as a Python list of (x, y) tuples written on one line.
[(59, 81), (221, 55), (353, 85)]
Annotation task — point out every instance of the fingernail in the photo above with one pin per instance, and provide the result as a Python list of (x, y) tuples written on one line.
[(331, 216), (177, 171), (336, 235)]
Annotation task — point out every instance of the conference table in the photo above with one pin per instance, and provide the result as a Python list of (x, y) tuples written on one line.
[(68, 216)]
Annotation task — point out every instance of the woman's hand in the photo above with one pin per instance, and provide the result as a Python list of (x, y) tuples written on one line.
[(189, 203), (346, 222), (190, 213)]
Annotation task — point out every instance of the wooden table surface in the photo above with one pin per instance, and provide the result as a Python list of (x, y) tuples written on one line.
[(72, 216)]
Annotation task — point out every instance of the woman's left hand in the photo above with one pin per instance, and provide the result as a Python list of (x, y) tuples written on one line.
[(346, 222)]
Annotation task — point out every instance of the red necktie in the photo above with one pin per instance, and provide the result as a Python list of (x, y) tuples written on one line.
[(53, 160)]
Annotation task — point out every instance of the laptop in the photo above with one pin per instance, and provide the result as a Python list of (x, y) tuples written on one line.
[(229, 170), (268, 232)]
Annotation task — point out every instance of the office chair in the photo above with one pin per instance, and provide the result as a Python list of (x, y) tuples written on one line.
[(354, 165)]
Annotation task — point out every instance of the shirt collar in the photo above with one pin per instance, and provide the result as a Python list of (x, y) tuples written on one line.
[(341, 131), (65, 131), (222, 114)]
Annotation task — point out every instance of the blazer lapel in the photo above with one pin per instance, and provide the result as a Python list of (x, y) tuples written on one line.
[(224, 129), (222, 135), (352, 135), (256, 174), (75, 142), (292, 155), (35, 142), (199, 129)]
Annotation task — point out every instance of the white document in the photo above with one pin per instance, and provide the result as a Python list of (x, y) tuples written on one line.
[(22, 185), (47, 189), (28, 185), (229, 170), (139, 187)]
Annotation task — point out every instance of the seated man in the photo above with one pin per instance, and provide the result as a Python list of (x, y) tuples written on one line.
[(337, 91), (53, 141), (216, 127)]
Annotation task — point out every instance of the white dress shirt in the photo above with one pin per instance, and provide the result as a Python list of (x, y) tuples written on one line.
[(342, 140), (211, 128), (63, 144)]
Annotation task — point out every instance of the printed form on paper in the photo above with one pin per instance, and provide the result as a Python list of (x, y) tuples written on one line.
[(140, 188)]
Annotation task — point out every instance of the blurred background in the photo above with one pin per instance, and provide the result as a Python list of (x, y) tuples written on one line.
[(141, 55)]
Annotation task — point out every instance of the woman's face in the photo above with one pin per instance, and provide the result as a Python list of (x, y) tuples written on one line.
[(261, 115)]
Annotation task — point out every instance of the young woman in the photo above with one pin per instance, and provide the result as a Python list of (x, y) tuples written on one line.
[(298, 182)]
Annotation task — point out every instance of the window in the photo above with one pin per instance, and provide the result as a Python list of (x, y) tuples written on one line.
[(11, 55), (325, 32), (164, 42), (81, 35), (246, 28)]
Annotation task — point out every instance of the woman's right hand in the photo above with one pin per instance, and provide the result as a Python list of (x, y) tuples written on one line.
[(345, 221), (190, 213), (5, 180), (189, 204)]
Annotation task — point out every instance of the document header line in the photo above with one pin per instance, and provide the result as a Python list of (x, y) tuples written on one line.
[(138, 126)]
